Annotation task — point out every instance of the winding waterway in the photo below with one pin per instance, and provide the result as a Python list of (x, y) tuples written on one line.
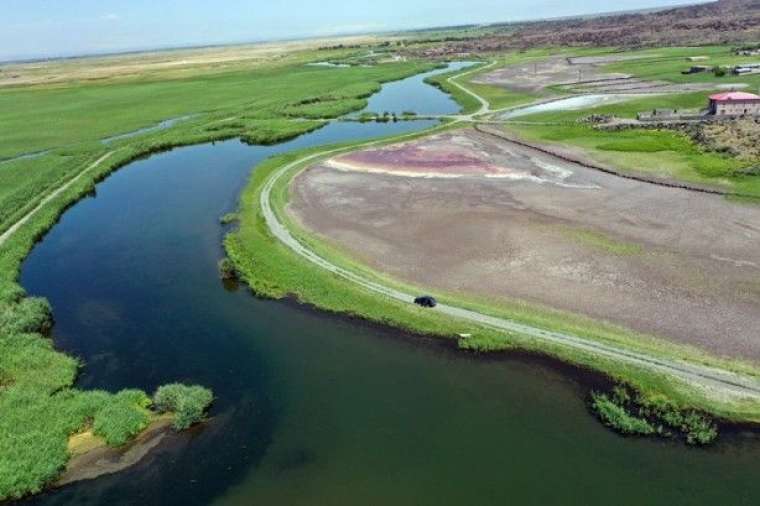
[(317, 409)]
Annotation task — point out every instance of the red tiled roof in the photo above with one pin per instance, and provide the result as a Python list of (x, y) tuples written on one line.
[(734, 95)]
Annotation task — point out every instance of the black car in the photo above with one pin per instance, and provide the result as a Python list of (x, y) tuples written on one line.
[(426, 301)]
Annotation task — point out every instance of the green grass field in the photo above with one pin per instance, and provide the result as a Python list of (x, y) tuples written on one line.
[(662, 153), (51, 117)]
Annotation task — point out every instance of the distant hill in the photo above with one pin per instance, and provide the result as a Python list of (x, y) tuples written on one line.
[(724, 21)]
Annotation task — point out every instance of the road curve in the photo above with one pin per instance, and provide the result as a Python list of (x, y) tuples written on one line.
[(714, 382), (485, 106)]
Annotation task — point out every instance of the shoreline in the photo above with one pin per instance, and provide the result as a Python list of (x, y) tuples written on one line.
[(585, 379), (99, 459)]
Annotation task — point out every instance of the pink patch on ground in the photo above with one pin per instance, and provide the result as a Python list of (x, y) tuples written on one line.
[(438, 155)]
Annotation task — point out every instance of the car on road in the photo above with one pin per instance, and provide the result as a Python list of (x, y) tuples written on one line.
[(426, 301)]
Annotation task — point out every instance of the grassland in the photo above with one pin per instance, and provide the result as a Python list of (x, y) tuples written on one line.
[(41, 406), (668, 63), (58, 116), (663, 153)]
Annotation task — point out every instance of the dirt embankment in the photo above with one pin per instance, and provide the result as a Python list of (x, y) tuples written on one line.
[(680, 264)]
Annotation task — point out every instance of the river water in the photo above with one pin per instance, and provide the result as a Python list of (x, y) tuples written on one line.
[(317, 409)]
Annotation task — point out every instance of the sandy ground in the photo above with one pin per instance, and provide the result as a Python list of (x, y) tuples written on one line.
[(674, 263), (583, 74), (92, 458)]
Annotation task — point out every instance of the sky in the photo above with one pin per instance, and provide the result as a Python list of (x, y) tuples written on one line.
[(50, 28)]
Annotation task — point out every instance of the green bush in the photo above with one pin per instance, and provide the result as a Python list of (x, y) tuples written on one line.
[(123, 418), (627, 415), (32, 314), (615, 416), (699, 429), (227, 269), (229, 218), (188, 403)]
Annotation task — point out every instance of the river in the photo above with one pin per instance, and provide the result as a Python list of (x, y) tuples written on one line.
[(319, 409)]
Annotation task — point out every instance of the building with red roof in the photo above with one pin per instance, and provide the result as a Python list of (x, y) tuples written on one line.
[(734, 103)]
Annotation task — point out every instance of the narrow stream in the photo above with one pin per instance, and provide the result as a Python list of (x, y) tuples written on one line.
[(318, 409)]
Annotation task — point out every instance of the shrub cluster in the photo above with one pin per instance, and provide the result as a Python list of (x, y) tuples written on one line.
[(614, 415), (188, 403), (627, 414), (40, 409), (227, 269)]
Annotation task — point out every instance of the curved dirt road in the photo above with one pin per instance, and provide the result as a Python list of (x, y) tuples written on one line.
[(485, 106)]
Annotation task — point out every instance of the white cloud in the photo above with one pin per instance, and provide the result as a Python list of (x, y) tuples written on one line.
[(110, 16)]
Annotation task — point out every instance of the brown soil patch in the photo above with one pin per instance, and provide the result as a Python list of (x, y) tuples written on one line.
[(92, 458), (665, 261)]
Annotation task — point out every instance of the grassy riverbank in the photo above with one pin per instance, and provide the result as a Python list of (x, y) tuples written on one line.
[(41, 406), (271, 269)]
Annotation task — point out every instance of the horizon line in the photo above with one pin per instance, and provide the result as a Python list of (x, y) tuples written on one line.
[(338, 35)]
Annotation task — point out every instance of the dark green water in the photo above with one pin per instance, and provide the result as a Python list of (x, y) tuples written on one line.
[(314, 409)]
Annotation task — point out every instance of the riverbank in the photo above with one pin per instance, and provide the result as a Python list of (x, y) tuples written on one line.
[(91, 457)]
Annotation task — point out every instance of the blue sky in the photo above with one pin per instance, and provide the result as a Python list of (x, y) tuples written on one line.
[(39, 28)]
